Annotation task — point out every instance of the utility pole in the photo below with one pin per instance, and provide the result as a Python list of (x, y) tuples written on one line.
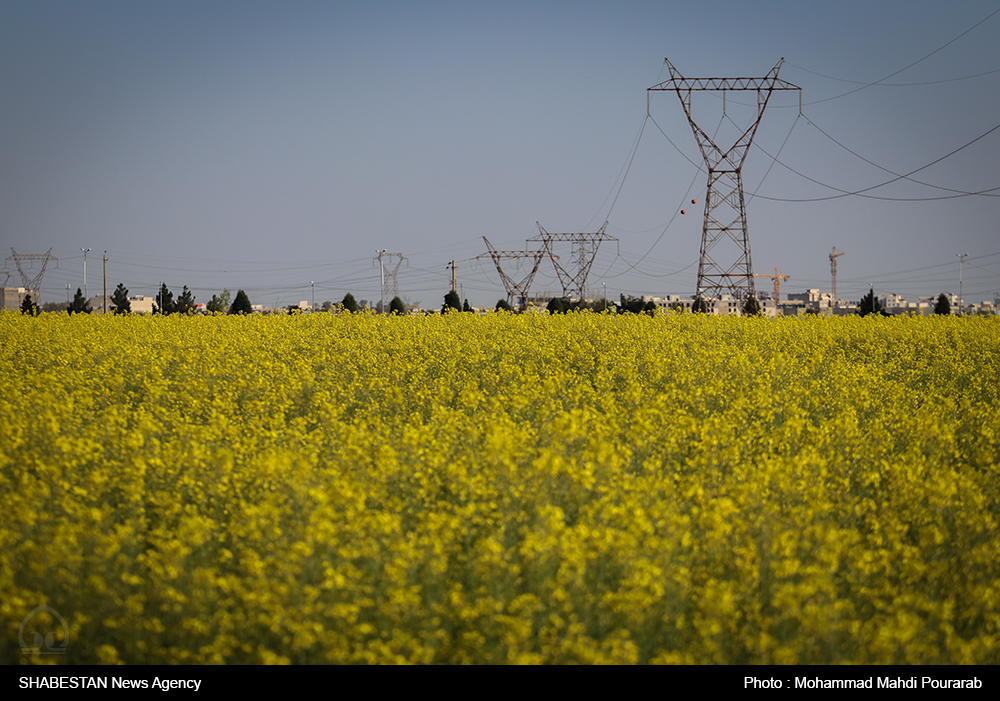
[(961, 298), (105, 283), (833, 271), (313, 285), (86, 294), (454, 276), (725, 207)]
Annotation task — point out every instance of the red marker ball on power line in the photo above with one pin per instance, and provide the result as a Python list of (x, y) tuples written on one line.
[(694, 201), (683, 212)]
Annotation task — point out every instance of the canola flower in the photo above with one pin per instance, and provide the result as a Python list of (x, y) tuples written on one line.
[(502, 489)]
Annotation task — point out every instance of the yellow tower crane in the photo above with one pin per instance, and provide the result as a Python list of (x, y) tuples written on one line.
[(777, 282), (833, 272)]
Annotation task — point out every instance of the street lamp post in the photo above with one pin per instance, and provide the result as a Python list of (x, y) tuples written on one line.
[(381, 267), (86, 293)]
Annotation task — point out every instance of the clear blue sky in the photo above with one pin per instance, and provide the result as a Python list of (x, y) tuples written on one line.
[(266, 145)]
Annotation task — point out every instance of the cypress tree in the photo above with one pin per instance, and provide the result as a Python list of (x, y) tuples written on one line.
[(29, 307), (241, 305), (943, 306), (451, 301), (120, 299), (79, 305)]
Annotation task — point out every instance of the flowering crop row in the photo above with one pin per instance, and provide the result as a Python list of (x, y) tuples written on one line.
[(507, 488)]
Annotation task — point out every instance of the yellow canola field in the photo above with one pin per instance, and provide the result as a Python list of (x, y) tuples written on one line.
[(526, 489)]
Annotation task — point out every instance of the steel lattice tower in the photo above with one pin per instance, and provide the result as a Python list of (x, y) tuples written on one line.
[(32, 284), (583, 253), (390, 285), (514, 288), (724, 264)]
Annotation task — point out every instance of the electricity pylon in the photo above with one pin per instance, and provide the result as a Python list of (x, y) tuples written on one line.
[(32, 284), (833, 271), (512, 286), (725, 206), (583, 253), (390, 284)]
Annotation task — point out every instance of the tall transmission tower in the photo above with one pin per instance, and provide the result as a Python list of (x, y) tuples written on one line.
[(833, 272), (390, 283), (515, 289), (726, 267), (32, 284), (584, 250)]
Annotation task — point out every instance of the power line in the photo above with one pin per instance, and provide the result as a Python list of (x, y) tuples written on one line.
[(908, 66), (860, 193), (919, 182)]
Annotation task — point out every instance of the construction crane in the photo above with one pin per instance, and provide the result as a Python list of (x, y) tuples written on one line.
[(833, 272), (777, 282)]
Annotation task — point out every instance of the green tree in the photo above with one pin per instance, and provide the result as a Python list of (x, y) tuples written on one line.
[(751, 307), (700, 306), (556, 306), (452, 301), (466, 307), (164, 301), (635, 305), (79, 305), (220, 303), (185, 302), (396, 306), (327, 306), (943, 306), (870, 305), (349, 303), (503, 306), (29, 307), (241, 305), (120, 299)]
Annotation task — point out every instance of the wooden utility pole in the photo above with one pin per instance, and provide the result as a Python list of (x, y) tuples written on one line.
[(105, 283)]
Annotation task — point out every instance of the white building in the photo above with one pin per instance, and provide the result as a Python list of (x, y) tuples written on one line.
[(141, 304), (13, 297)]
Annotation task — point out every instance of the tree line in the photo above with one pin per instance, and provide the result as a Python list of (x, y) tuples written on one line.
[(224, 304), (165, 303)]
